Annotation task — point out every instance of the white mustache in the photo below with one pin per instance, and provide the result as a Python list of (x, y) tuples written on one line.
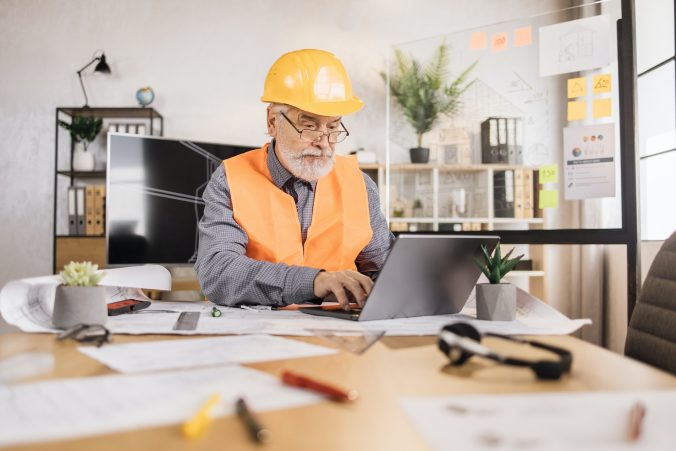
[(316, 153)]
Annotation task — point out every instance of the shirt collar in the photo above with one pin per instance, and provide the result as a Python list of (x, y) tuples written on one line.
[(280, 175)]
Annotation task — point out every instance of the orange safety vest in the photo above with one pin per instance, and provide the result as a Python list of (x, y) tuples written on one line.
[(340, 227)]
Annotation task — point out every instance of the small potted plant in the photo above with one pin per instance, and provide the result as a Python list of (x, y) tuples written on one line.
[(422, 92), (496, 301), (83, 130), (79, 299), (417, 208)]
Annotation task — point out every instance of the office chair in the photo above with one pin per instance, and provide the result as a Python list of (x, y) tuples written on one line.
[(651, 336)]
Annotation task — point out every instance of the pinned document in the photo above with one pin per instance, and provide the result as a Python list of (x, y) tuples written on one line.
[(577, 110), (549, 198), (549, 173), (478, 40)]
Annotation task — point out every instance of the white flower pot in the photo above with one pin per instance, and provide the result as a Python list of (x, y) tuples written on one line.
[(496, 302), (83, 160), (79, 305)]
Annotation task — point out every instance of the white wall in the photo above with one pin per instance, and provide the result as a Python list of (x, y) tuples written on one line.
[(206, 61)]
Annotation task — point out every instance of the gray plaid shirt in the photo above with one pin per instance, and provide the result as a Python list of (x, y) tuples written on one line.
[(228, 277)]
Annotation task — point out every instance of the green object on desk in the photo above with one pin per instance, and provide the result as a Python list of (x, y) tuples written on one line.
[(215, 312)]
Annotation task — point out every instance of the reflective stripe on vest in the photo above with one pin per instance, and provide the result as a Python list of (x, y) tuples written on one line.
[(340, 227)]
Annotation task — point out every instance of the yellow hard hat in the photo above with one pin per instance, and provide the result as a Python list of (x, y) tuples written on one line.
[(313, 81)]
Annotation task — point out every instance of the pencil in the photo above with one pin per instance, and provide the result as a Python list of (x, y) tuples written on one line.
[(257, 432), (636, 415), (198, 424)]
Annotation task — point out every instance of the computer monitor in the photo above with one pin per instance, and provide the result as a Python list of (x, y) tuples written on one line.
[(154, 197)]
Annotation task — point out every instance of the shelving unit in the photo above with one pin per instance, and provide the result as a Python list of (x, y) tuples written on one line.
[(86, 247)]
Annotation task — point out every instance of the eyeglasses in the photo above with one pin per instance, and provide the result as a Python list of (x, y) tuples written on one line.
[(316, 135), (87, 333)]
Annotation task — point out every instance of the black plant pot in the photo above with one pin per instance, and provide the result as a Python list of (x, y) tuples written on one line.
[(420, 154)]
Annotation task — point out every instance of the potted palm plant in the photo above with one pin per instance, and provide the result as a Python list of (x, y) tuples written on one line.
[(423, 93), (83, 130), (79, 299), (496, 301)]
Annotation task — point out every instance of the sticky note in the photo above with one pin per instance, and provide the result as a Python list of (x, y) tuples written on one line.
[(601, 83), (549, 198), (549, 173), (478, 40), (577, 110), (601, 108), (523, 36), (499, 42), (577, 87)]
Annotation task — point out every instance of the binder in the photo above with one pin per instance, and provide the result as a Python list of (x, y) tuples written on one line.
[(89, 210), (519, 193), (511, 140), (503, 151), (489, 141), (528, 197), (72, 209), (80, 209), (99, 209), (518, 140), (503, 194)]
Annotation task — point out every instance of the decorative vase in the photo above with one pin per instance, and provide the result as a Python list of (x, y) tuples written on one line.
[(79, 305), (83, 160), (496, 302), (419, 154)]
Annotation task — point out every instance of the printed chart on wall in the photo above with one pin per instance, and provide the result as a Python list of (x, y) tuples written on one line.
[(589, 155)]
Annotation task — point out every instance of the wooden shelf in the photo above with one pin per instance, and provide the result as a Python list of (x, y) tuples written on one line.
[(525, 274), (84, 174), (445, 167), (80, 236), (112, 112)]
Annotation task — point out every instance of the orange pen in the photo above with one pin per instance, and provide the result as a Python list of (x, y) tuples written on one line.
[(337, 394)]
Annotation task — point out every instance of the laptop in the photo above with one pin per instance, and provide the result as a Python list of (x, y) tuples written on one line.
[(423, 275)]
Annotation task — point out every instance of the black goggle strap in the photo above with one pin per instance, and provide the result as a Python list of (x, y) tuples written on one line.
[(544, 369)]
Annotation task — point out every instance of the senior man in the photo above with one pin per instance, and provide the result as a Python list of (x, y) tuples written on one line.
[(292, 221)]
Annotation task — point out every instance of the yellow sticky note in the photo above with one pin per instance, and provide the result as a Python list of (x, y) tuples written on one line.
[(577, 110), (549, 198), (499, 42), (577, 87), (523, 36), (601, 83), (478, 40), (549, 173), (601, 108)]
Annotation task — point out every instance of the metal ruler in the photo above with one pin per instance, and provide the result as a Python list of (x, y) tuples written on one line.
[(187, 321)]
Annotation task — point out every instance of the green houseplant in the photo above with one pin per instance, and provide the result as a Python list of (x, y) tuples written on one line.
[(424, 94), (79, 299), (83, 130), (496, 301)]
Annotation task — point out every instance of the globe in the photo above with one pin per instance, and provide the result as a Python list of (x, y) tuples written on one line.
[(145, 96)]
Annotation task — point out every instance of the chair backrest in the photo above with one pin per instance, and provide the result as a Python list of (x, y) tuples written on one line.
[(651, 337)]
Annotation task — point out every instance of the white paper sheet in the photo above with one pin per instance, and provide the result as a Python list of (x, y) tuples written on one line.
[(29, 303), (557, 421), (589, 161), (175, 354), (576, 45), (69, 408)]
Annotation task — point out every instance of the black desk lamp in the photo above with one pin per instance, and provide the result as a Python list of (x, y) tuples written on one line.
[(102, 67)]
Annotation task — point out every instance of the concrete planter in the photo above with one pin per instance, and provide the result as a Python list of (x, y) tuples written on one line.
[(420, 154), (79, 305), (496, 302)]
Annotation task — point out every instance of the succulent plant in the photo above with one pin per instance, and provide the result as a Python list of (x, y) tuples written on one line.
[(495, 267), (81, 274)]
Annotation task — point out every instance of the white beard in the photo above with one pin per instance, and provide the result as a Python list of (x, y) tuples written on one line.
[(305, 168)]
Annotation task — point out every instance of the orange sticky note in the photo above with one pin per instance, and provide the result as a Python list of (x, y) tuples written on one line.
[(577, 87), (601, 83), (523, 36), (478, 40), (577, 110), (601, 108), (499, 42)]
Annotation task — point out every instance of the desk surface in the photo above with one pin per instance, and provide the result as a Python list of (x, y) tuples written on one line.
[(393, 367)]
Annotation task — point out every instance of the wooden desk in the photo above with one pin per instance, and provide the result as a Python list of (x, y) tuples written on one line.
[(393, 367)]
